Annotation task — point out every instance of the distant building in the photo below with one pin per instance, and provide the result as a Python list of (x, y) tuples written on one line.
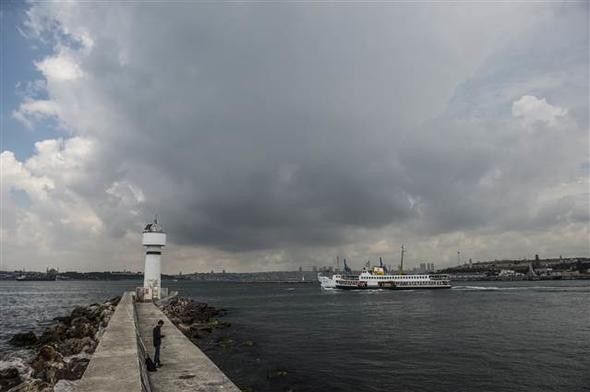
[(506, 273)]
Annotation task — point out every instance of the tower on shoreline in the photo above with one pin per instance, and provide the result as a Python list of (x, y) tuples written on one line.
[(154, 239)]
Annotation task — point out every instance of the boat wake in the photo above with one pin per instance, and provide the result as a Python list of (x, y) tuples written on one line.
[(522, 288), (475, 288)]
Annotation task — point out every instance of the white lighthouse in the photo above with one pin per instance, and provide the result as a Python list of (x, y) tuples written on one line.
[(154, 239)]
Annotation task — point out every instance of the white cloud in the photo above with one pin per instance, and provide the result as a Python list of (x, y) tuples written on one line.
[(58, 219), (60, 68), (16, 176), (126, 193), (31, 111), (533, 110)]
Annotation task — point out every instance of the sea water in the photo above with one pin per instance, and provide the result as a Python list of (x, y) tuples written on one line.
[(477, 336)]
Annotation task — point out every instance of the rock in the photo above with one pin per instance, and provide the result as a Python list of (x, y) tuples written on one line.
[(93, 312), (105, 316), (198, 328), (81, 327), (185, 329), (9, 378), (74, 346), (54, 335), (276, 373), (63, 319), (223, 324), (114, 301), (79, 311), (75, 334), (249, 343), (24, 339), (33, 385), (76, 368), (225, 342), (199, 316), (49, 365)]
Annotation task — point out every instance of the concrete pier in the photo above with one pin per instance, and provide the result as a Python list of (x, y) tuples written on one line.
[(115, 363), (185, 367)]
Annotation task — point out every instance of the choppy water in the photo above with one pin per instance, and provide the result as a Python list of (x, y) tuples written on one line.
[(496, 336)]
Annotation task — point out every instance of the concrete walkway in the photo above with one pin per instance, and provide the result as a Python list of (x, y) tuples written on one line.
[(115, 364), (185, 367)]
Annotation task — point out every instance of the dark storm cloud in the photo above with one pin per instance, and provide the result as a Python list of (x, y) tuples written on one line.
[(263, 139), (245, 139)]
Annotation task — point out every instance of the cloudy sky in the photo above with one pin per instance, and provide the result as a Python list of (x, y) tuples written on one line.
[(272, 136)]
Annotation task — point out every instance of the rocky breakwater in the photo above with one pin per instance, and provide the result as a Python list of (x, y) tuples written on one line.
[(62, 352), (194, 319)]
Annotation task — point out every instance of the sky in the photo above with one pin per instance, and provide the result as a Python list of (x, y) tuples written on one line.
[(269, 136)]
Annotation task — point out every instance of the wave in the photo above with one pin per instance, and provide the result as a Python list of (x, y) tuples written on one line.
[(475, 288), (18, 292), (522, 288), (19, 361)]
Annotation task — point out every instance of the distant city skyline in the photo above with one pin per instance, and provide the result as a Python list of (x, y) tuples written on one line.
[(272, 136)]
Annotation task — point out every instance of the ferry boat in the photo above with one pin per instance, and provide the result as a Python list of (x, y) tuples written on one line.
[(378, 279)]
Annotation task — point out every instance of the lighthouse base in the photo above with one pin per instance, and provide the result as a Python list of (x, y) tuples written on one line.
[(148, 294)]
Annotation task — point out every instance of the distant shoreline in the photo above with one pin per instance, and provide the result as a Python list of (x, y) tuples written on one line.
[(570, 268)]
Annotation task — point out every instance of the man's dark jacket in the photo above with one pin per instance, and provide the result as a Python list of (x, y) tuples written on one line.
[(157, 335)]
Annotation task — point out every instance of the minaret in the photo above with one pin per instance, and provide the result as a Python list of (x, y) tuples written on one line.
[(154, 238), (401, 264)]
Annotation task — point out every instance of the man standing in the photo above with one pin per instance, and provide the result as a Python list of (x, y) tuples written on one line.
[(157, 342)]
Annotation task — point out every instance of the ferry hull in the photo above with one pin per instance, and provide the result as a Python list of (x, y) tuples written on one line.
[(391, 288), (369, 281)]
